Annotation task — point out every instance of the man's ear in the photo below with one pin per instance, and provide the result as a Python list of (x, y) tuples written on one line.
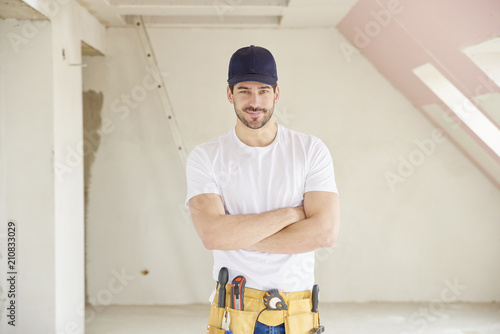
[(277, 94), (229, 95)]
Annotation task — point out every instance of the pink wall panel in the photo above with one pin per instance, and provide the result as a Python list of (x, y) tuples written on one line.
[(399, 35)]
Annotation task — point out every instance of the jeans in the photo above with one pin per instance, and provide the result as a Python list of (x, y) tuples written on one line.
[(263, 329)]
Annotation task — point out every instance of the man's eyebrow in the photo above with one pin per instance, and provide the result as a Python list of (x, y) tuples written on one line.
[(261, 87)]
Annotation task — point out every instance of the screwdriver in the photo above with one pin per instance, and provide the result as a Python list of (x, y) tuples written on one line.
[(223, 277)]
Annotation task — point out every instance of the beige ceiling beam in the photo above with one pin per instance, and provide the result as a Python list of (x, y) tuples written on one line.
[(215, 10), (197, 3)]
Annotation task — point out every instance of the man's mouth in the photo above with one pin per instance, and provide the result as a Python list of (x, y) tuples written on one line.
[(254, 113)]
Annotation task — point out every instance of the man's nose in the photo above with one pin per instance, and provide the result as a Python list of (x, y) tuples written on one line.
[(254, 100)]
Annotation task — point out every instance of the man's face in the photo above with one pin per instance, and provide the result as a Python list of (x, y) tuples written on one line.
[(253, 102)]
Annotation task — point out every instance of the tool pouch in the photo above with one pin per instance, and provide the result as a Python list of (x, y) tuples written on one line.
[(242, 321), (215, 319), (213, 330), (300, 319)]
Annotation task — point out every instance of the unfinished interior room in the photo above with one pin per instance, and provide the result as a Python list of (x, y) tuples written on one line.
[(250, 166)]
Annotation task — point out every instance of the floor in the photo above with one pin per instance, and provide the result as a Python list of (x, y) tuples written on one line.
[(348, 318)]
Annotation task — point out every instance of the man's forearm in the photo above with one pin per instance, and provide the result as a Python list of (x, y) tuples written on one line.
[(319, 230), (229, 232), (304, 236)]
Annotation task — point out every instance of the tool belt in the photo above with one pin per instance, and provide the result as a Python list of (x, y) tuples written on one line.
[(298, 318)]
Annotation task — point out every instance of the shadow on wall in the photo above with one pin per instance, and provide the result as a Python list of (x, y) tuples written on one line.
[(92, 121)]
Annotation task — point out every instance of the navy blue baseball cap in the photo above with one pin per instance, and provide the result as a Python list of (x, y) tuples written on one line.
[(252, 63)]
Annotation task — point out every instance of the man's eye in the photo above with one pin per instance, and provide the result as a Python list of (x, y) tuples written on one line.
[(264, 91)]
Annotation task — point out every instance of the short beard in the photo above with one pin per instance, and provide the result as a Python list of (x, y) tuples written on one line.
[(268, 113)]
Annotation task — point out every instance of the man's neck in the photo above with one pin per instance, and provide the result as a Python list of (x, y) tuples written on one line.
[(257, 137)]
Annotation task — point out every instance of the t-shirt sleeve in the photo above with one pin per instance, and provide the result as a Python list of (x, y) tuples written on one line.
[(320, 175), (200, 176)]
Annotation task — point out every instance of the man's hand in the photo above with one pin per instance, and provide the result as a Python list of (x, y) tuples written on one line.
[(319, 230), (229, 232)]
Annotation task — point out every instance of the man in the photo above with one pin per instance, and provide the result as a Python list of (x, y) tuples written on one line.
[(263, 198)]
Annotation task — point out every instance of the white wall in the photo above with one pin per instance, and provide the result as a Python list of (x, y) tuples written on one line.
[(26, 175), (398, 242), (42, 169), (135, 214)]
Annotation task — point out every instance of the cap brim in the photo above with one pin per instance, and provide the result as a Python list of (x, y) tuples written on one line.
[(266, 79)]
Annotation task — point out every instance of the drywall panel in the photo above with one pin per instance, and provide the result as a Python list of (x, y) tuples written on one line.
[(460, 134), (137, 189), (416, 215)]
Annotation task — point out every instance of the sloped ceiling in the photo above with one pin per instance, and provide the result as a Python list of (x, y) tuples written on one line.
[(399, 36)]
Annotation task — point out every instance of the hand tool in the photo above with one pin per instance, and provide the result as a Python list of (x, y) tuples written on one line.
[(237, 291), (223, 278), (317, 330), (315, 302), (275, 300), (315, 298), (216, 327)]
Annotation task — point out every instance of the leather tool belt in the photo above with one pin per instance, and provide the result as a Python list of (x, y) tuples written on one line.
[(298, 319)]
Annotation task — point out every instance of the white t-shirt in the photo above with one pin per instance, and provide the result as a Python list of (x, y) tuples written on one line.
[(253, 180)]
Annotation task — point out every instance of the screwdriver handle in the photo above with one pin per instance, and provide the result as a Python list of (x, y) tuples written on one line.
[(315, 298), (223, 278)]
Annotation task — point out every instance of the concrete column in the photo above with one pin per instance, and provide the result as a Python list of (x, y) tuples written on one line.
[(71, 25)]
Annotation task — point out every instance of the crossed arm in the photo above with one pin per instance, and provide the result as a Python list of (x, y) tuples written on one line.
[(288, 230)]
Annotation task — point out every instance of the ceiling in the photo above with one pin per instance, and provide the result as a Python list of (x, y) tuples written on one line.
[(17, 9), (447, 67), (395, 49), (206, 13)]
